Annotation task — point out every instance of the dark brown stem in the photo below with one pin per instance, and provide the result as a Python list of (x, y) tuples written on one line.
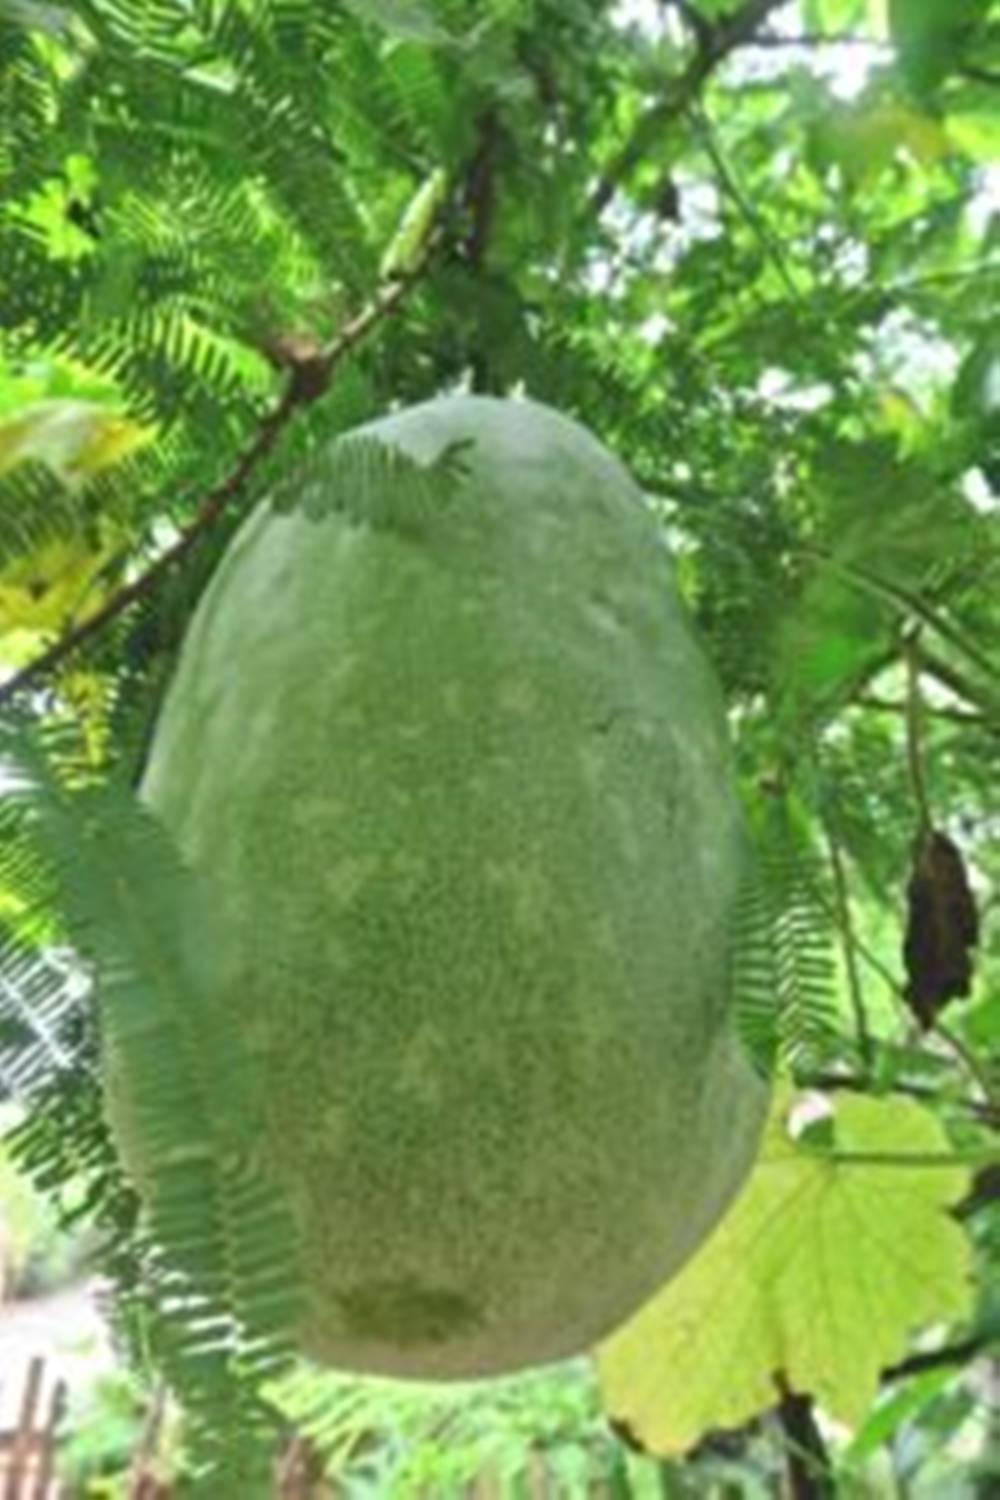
[(699, 25), (714, 44), (307, 381), (480, 199), (809, 1475), (933, 1359), (480, 190)]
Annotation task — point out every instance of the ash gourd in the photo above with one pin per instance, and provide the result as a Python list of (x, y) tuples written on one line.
[(462, 798)]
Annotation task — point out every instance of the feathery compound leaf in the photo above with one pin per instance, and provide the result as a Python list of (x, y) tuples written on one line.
[(373, 483), (181, 1089), (820, 1271), (783, 972), (410, 20)]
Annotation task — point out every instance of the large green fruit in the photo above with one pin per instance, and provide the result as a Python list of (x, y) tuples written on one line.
[(462, 797)]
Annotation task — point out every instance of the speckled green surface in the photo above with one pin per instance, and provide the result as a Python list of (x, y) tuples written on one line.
[(463, 801)]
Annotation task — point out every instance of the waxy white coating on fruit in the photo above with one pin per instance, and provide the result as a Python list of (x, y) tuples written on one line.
[(462, 800)]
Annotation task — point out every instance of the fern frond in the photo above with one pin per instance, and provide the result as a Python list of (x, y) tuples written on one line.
[(374, 483), (26, 109), (34, 508)]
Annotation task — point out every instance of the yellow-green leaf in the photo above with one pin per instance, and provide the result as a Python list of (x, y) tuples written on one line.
[(75, 439), (866, 139), (403, 253), (59, 580), (821, 1270)]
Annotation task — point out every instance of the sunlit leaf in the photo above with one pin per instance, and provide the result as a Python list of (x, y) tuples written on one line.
[(75, 439), (821, 1270), (403, 253), (864, 140)]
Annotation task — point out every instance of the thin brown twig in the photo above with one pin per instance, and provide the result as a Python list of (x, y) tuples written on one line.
[(729, 184), (215, 502), (306, 383), (861, 948), (845, 927), (914, 738), (950, 676), (973, 1066), (814, 39), (935, 711)]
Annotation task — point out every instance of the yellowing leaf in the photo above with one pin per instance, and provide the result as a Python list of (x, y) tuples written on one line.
[(976, 132), (75, 439), (820, 1271), (901, 416), (55, 583), (403, 253), (864, 140)]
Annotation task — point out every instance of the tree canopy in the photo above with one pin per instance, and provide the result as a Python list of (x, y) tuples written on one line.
[(754, 245)]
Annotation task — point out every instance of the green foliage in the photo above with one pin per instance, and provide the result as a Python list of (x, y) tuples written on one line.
[(774, 296), (101, 1434)]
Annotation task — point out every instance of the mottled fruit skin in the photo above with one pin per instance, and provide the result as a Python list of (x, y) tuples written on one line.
[(462, 798)]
